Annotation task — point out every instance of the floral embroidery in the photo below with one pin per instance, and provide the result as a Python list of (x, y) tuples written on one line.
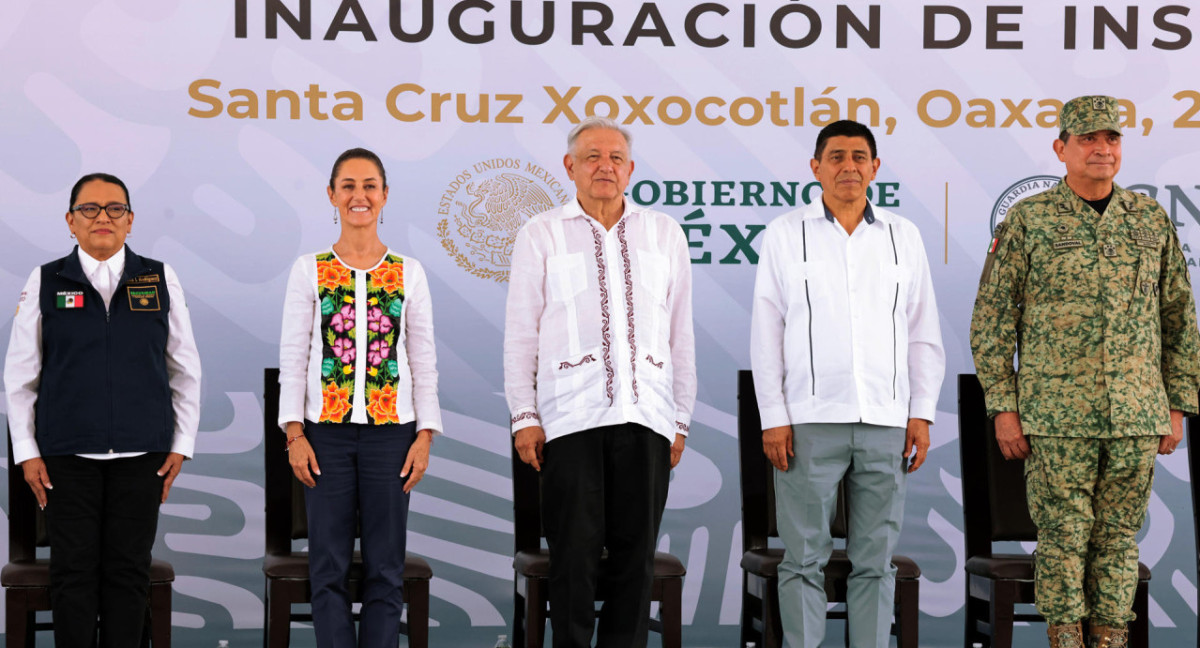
[(650, 359), (343, 349), (377, 353), (343, 320), (377, 322), (385, 299), (681, 426), (389, 276), (331, 274), (381, 404), (629, 306), (605, 323), (335, 403), (340, 333)]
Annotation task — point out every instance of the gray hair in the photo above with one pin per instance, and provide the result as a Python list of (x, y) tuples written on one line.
[(594, 121)]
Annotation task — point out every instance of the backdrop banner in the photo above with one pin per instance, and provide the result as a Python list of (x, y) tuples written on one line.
[(224, 118)]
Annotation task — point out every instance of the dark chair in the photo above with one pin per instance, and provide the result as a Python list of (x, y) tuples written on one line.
[(531, 565), (286, 570), (761, 621), (26, 578), (995, 510)]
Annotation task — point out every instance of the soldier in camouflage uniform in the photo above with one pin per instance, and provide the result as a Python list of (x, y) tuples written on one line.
[(1090, 280)]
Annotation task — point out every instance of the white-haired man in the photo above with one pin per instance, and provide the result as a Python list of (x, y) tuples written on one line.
[(600, 377)]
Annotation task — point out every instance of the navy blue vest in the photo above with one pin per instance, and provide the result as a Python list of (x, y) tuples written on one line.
[(104, 375)]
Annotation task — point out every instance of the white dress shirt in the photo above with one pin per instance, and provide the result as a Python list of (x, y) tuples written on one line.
[(598, 329), (301, 346), (844, 327), (23, 364)]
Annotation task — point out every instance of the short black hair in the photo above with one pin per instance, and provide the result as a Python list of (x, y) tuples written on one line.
[(103, 177), (844, 128), (357, 154), (1064, 136)]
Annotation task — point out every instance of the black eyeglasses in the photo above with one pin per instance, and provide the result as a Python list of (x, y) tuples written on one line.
[(90, 211)]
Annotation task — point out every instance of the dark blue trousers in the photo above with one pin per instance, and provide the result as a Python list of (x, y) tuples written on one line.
[(359, 483)]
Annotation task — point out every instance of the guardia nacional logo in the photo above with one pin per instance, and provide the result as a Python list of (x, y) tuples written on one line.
[(486, 204), (1030, 186)]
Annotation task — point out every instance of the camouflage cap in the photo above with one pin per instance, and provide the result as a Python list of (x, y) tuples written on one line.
[(1083, 115)]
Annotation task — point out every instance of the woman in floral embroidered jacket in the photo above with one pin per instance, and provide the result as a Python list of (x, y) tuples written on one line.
[(358, 403)]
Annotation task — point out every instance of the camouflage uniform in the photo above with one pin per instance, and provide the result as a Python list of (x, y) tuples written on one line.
[(1102, 308)]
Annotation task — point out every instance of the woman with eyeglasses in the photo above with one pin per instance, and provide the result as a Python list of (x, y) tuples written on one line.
[(103, 385), (359, 404)]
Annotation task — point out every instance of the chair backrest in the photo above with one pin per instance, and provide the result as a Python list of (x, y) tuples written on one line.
[(758, 483), (26, 522), (285, 516), (994, 504), (527, 508)]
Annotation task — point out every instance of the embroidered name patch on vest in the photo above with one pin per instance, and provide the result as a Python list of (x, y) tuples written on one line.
[(143, 299), (69, 299)]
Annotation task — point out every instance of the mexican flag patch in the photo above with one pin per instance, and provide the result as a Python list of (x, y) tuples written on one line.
[(68, 299)]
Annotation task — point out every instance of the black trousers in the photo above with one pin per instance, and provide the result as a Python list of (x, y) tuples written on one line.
[(101, 518), (603, 488)]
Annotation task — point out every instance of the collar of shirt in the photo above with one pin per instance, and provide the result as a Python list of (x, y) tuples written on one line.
[(868, 214), (92, 268), (574, 210)]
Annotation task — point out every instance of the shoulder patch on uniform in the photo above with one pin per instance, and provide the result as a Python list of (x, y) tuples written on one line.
[(991, 254)]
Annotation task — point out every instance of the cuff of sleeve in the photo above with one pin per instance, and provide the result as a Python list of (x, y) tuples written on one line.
[(24, 450), (524, 419), (184, 444), (434, 424), (1184, 400), (683, 423), (922, 409), (1001, 398), (774, 416), (289, 415)]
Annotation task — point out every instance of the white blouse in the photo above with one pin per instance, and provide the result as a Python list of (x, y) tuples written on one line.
[(598, 329), (357, 346)]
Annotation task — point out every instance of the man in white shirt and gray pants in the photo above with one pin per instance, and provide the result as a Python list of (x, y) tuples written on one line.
[(848, 363), (600, 377)]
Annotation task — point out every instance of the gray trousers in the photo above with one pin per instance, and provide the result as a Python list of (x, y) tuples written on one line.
[(869, 456)]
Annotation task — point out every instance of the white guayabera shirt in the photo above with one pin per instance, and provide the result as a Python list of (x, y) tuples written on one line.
[(844, 327), (598, 329)]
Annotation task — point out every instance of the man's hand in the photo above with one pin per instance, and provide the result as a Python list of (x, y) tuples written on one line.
[(916, 437), (777, 444), (37, 478), (677, 449), (417, 460), (169, 471), (1009, 436), (301, 456), (529, 443), (1166, 445)]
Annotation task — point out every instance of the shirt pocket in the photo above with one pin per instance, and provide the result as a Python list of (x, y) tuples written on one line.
[(566, 276), (653, 273), (808, 284), (1145, 286)]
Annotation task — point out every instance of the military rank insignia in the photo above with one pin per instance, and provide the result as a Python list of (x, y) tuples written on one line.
[(1144, 237), (143, 298), (69, 299)]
